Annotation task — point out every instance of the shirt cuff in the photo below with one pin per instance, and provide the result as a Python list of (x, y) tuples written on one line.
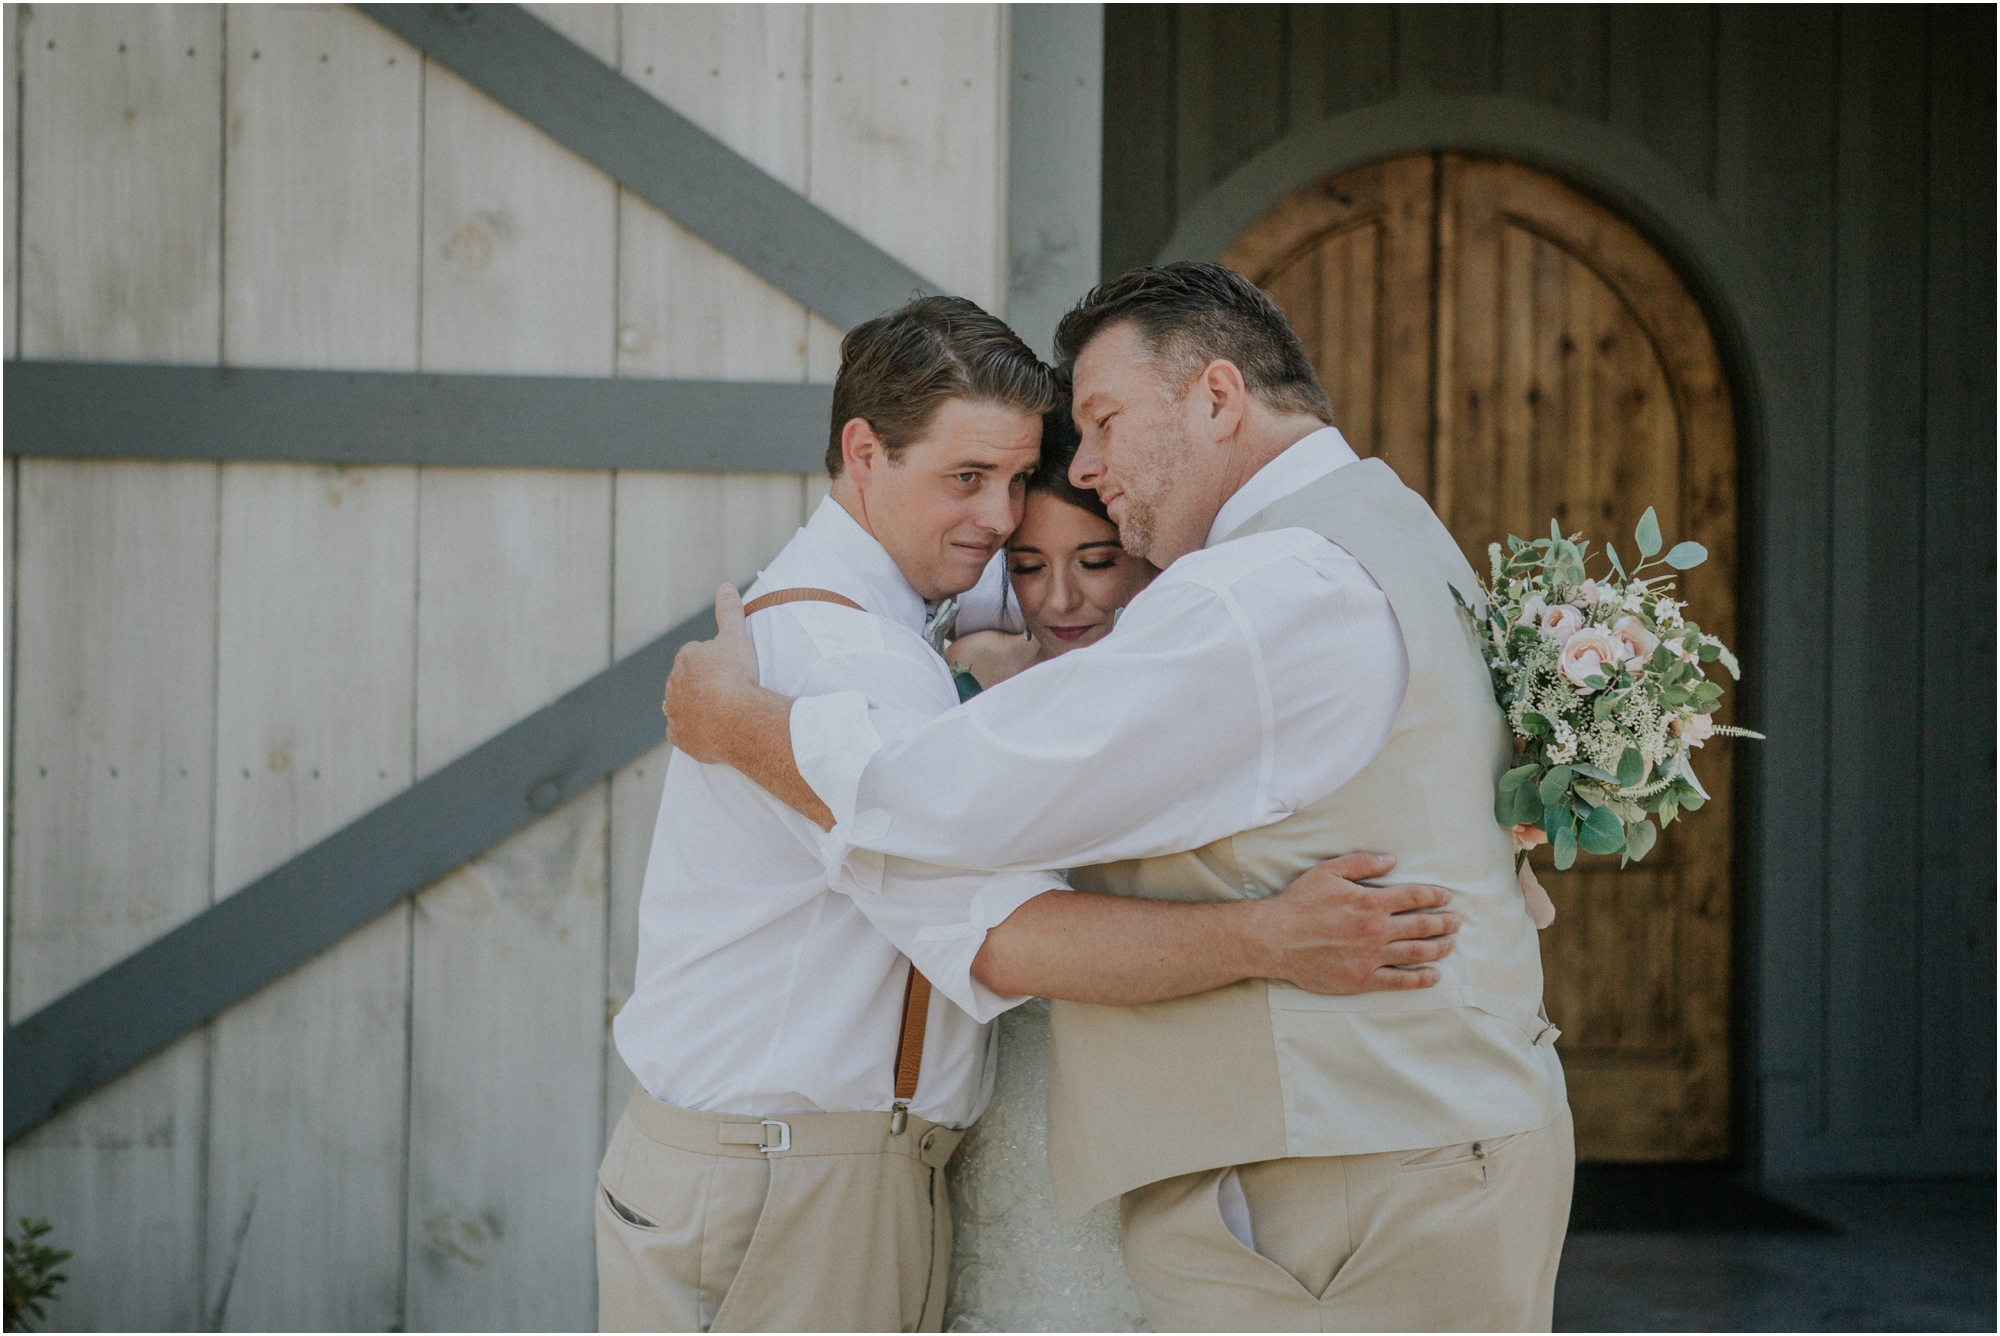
[(832, 743), (945, 954)]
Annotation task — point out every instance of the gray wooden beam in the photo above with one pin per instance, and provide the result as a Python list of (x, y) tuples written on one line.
[(227, 952), (100, 410), (660, 156)]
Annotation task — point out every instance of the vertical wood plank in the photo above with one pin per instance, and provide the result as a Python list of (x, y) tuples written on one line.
[(1307, 37), (1774, 183), (1554, 55), (315, 691), (1358, 51), (1660, 82), (507, 977), (10, 89), (1958, 578), (124, 101), (686, 310), (1140, 139), (1453, 48), (1246, 102), (113, 695), (1194, 97), (324, 206), (915, 118), (1873, 939), (113, 717)]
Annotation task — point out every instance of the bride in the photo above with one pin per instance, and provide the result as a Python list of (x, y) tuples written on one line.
[(1014, 1268)]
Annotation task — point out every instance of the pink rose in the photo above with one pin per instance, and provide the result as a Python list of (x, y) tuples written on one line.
[(1528, 837), (1561, 622), (1637, 642), (1589, 651), (1695, 729)]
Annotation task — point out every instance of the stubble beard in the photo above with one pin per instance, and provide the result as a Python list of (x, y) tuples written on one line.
[(1147, 491)]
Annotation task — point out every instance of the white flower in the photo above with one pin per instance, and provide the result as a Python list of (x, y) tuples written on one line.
[(1591, 593), (1694, 729), (1586, 652), (1532, 609), (1635, 640), (1561, 622)]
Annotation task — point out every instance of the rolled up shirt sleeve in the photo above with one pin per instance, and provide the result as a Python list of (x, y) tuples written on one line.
[(907, 902), (937, 915), (1233, 692)]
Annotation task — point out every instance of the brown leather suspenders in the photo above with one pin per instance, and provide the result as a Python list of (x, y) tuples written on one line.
[(799, 596), (917, 992)]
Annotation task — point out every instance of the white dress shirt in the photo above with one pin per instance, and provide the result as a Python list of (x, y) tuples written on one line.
[(1251, 679), (771, 969)]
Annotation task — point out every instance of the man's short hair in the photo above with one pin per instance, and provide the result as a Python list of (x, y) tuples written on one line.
[(898, 369), (1191, 313)]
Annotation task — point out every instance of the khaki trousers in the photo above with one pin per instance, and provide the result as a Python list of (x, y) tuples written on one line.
[(701, 1229), (1459, 1238)]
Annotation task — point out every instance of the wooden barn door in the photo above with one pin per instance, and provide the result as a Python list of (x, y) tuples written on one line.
[(1517, 352)]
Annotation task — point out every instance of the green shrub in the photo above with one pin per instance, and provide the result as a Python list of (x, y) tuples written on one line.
[(31, 1275)]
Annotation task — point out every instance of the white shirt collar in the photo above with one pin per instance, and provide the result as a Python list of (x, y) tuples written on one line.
[(1305, 462), (845, 558)]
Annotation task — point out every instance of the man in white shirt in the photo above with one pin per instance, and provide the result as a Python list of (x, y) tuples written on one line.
[(799, 1087), (1294, 684)]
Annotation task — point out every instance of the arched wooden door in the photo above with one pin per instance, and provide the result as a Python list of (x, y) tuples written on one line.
[(1517, 352)]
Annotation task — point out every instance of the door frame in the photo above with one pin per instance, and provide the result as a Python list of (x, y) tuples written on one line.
[(1691, 234)]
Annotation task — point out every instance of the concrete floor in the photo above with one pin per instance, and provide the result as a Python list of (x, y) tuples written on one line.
[(1911, 1256)]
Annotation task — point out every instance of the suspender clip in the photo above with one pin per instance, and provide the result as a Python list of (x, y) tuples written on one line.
[(899, 1117)]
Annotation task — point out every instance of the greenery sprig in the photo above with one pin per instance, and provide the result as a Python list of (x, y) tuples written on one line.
[(32, 1277)]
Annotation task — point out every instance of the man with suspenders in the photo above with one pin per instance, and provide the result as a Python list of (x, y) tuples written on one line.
[(807, 1034)]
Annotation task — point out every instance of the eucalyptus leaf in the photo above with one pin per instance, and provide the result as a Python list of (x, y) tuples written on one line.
[(1647, 535), (1555, 786), (1537, 726), (1639, 840), (1616, 564), (1709, 653), (1631, 768), (1602, 832), (1686, 556), (1564, 843), (1586, 768), (1690, 801), (1516, 799)]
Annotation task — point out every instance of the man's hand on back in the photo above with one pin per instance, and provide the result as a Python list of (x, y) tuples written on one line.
[(708, 675), (1327, 934), (717, 713)]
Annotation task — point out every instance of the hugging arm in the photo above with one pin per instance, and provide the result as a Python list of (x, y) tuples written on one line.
[(1324, 933)]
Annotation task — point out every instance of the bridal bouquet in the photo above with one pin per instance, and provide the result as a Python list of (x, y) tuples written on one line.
[(1603, 682)]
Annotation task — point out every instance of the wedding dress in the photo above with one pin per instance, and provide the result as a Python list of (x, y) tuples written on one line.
[(1013, 1268)]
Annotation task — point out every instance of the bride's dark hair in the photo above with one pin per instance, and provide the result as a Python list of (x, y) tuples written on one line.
[(1059, 443)]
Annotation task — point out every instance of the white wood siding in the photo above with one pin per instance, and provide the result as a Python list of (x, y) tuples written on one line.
[(213, 667)]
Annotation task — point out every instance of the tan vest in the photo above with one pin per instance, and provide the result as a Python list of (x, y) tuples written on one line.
[(1263, 1070)]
